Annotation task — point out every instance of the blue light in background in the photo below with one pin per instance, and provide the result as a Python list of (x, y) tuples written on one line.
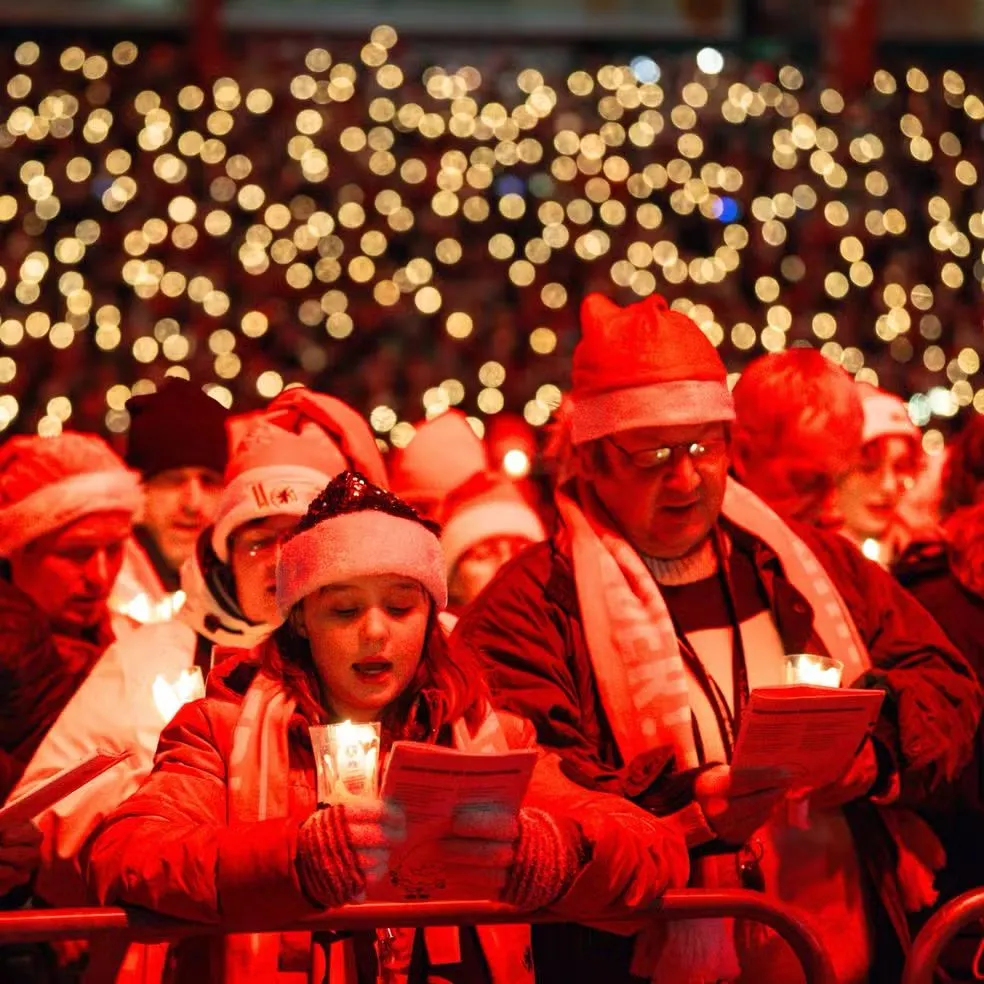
[(510, 184), (645, 69), (729, 209)]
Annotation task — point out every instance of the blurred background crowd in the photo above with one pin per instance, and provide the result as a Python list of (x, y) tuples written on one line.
[(410, 224)]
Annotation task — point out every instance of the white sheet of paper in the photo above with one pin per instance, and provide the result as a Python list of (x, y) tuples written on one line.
[(812, 732), (67, 781), (431, 784)]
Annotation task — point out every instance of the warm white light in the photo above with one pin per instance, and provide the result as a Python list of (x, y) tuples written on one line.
[(169, 698), (710, 61), (516, 463)]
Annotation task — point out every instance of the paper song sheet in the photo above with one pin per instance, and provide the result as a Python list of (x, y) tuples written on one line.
[(57, 788), (432, 784), (812, 732)]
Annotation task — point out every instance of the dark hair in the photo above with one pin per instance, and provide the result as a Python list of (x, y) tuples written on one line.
[(442, 690), (963, 473)]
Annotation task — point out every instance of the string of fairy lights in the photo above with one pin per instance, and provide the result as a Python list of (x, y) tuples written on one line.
[(391, 190)]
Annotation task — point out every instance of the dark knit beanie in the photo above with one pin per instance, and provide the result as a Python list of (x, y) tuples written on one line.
[(179, 426)]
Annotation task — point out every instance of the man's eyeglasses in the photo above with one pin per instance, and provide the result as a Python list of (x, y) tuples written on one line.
[(651, 459)]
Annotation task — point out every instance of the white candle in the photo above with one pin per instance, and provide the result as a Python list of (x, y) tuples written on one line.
[(817, 671), (169, 698), (347, 757)]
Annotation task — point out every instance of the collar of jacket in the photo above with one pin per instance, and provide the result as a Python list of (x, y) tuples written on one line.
[(790, 610), (210, 606)]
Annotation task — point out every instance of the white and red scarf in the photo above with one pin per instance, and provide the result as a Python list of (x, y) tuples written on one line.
[(642, 679), (259, 765)]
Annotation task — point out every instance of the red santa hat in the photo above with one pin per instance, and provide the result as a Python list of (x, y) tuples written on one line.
[(356, 529), (643, 366), (443, 454), (484, 508), (885, 415), (273, 472), (299, 408), (48, 482)]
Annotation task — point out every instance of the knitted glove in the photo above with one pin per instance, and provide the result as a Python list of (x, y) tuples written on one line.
[(341, 847), (550, 854)]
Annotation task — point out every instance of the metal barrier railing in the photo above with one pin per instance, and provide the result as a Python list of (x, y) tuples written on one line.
[(940, 930), (33, 925)]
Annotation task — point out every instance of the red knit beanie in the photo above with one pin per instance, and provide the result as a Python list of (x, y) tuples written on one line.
[(643, 366), (178, 426)]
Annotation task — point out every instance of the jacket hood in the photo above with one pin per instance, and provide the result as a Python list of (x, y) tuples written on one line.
[(211, 607)]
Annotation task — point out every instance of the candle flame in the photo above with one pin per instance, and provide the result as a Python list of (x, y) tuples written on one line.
[(169, 698), (817, 671)]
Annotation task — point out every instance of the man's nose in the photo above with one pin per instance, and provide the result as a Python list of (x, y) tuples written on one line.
[(192, 493)]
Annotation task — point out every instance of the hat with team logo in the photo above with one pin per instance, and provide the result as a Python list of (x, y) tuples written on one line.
[(273, 472)]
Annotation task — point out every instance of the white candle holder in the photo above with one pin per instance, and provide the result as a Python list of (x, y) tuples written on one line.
[(346, 756)]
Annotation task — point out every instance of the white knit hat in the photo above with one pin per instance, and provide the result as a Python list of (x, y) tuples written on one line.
[(485, 509), (273, 472), (885, 415)]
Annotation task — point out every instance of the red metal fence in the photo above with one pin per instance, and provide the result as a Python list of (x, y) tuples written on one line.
[(791, 924), (939, 932)]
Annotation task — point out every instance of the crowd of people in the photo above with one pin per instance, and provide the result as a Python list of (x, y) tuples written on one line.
[(696, 538), (782, 232)]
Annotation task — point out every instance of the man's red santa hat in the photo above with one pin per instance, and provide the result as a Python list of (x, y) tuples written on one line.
[(48, 482), (644, 365)]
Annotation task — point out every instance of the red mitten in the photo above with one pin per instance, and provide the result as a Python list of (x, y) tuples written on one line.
[(550, 853), (326, 862)]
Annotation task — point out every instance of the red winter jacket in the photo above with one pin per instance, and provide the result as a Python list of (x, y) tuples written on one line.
[(526, 628), (171, 849)]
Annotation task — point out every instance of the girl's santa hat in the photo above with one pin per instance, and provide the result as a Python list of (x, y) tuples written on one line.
[(48, 482), (356, 529)]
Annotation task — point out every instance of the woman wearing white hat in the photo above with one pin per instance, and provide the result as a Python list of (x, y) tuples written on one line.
[(869, 494)]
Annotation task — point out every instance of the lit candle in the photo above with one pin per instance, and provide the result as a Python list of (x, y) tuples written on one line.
[(817, 671), (347, 758), (169, 698)]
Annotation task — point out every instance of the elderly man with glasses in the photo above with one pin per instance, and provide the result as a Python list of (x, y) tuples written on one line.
[(634, 637)]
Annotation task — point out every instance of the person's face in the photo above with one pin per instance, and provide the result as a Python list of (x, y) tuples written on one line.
[(178, 505), (664, 508), (869, 494), (253, 552), (480, 564), (69, 573), (367, 636)]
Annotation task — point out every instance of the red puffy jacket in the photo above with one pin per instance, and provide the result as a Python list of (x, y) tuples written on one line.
[(170, 848)]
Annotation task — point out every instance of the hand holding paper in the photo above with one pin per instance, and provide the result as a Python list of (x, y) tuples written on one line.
[(814, 733), (735, 811), (462, 821), (20, 855), (854, 783)]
